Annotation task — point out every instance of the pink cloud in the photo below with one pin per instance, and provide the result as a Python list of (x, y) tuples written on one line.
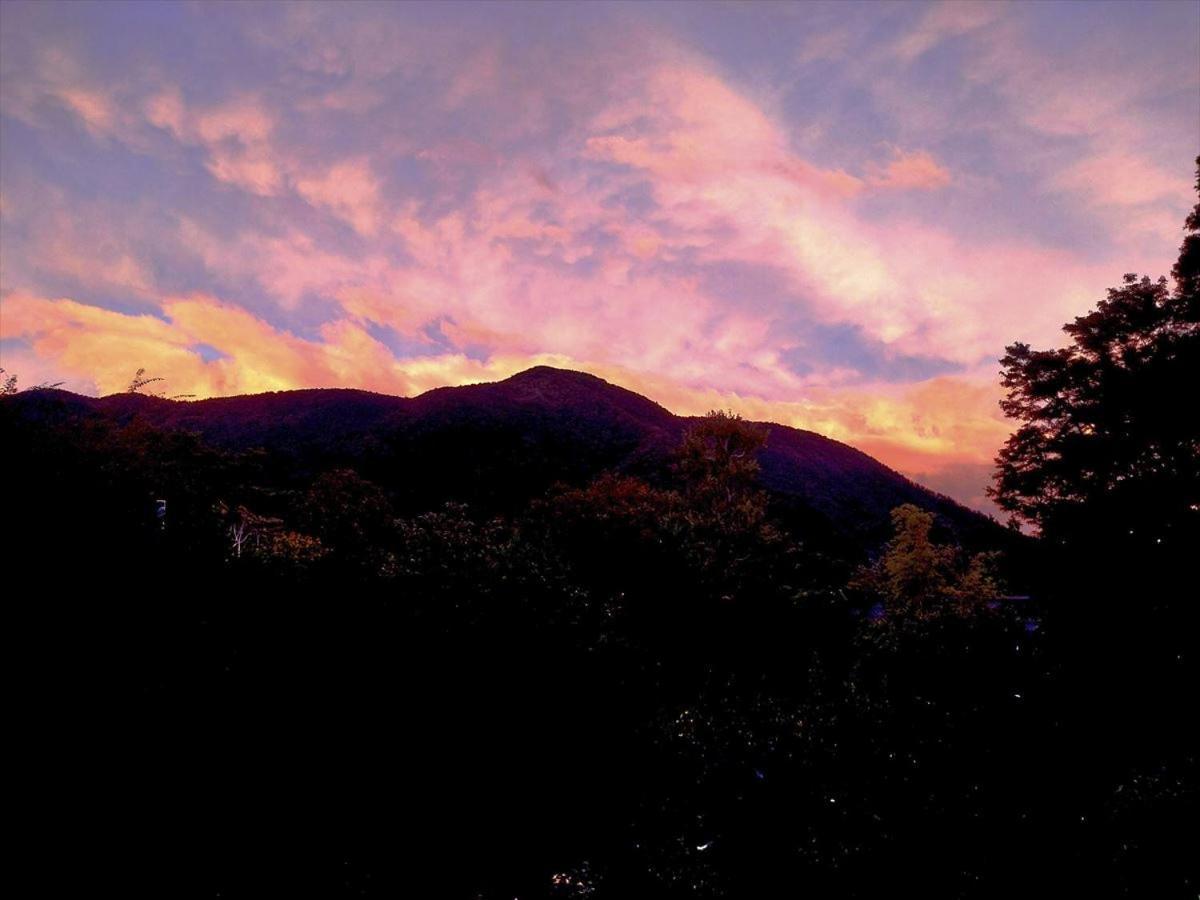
[(287, 266), (249, 170), (687, 125), (943, 20), (478, 74), (243, 119), (236, 136), (165, 110), (53, 74), (349, 190), (71, 240), (94, 107), (1105, 97), (914, 170), (726, 178), (1122, 179)]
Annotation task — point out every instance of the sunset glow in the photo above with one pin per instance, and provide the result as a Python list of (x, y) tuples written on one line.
[(829, 216)]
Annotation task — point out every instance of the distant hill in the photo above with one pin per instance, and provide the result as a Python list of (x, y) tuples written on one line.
[(501, 443)]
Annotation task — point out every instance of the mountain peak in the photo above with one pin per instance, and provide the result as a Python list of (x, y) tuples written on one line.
[(554, 378), (553, 373), (568, 387)]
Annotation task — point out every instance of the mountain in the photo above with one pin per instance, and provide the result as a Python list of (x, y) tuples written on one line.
[(501, 443)]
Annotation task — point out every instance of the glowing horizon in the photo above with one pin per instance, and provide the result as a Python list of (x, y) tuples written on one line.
[(832, 216)]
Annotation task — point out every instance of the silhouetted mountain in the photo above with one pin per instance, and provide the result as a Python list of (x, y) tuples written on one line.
[(499, 444)]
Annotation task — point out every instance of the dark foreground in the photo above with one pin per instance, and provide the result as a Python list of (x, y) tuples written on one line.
[(615, 688)]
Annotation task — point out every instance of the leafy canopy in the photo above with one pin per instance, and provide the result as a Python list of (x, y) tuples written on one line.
[(918, 579), (1109, 440)]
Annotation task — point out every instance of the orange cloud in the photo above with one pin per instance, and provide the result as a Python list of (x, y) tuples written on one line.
[(93, 345), (89, 345)]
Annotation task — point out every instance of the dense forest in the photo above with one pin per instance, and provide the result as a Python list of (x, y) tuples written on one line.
[(477, 656)]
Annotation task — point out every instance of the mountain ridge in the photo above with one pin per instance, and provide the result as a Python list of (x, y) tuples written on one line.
[(498, 442)]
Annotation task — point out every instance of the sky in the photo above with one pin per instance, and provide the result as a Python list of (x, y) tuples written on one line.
[(833, 216)]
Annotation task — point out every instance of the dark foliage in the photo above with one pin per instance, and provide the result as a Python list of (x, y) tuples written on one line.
[(1106, 464), (309, 679)]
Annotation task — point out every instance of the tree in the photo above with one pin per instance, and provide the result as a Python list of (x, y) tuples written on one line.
[(9, 386), (721, 451), (348, 514), (917, 579), (139, 381), (718, 461), (1108, 450), (724, 506)]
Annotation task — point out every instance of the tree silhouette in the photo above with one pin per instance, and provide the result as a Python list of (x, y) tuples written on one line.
[(9, 385), (1108, 451), (139, 381)]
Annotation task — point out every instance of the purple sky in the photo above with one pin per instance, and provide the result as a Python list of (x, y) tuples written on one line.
[(833, 216)]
